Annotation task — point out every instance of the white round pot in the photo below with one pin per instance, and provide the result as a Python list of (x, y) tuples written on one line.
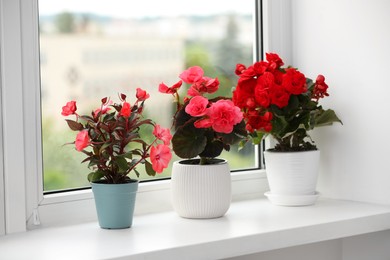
[(292, 177), (201, 191)]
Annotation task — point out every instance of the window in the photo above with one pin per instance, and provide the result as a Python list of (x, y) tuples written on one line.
[(89, 50), (24, 199)]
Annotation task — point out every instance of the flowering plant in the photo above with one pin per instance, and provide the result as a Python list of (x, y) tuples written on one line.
[(113, 133), (203, 127), (281, 102)]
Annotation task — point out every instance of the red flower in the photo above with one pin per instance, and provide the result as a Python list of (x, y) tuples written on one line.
[(126, 110), (320, 88), (160, 156), (240, 68), (262, 97), (265, 84), (258, 122), (260, 67), (243, 95), (294, 82), (279, 96), (192, 74), (141, 94), (274, 60), (82, 140), (69, 109), (162, 88), (162, 134)]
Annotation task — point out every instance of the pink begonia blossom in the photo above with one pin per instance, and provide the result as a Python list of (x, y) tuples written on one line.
[(69, 109), (104, 109), (160, 156), (141, 94), (205, 85), (224, 115), (197, 106), (162, 88), (126, 109), (192, 74), (82, 140), (204, 123), (162, 134)]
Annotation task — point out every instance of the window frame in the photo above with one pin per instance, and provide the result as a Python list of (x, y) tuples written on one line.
[(26, 207)]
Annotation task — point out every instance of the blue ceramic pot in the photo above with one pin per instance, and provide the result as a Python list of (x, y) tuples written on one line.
[(115, 204)]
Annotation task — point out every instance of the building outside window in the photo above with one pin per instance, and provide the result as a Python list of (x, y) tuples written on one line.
[(89, 50)]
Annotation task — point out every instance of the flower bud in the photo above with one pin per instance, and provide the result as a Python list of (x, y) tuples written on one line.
[(122, 97)]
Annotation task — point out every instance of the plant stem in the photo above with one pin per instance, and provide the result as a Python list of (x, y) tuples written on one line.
[(203, 161)]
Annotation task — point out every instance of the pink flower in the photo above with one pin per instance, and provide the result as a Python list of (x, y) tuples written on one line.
[(126, 110), (224, 115), (162, 134), (104, 109), (197, 106), (192, 74), (69, 109), (142, 95), (82, 140), (160, 156), (204, 123), (204, 85), (162, 88)]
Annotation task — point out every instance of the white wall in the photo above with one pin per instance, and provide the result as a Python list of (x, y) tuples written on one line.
[(349, 42)]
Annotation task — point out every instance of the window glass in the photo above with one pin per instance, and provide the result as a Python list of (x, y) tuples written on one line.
[(90, 49)]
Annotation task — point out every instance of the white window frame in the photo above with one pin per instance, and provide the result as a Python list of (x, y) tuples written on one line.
[(2, 193), (25, 206)]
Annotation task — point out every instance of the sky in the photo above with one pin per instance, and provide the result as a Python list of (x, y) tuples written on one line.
[(137, 8)]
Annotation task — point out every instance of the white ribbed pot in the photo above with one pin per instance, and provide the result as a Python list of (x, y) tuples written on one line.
[(292, 177), (201, 191)]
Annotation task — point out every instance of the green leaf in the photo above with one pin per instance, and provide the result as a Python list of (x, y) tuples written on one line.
[(188, 141), (95, 176), (149, 169), (104, 146), (326, 117), (242, 144), (128, 155), (122, 164), (136, 172), (236, 135), (213, 149), (279, 125), (75, 126), (93, 161), (258, 138), (182, 117)]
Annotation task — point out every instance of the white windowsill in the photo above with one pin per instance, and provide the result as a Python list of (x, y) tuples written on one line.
[(249, 226)]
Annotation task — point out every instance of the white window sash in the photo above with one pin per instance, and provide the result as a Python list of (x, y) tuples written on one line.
[(2, 200), (24, 201)]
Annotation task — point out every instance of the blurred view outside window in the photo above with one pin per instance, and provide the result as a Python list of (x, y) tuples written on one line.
[(90, 49)]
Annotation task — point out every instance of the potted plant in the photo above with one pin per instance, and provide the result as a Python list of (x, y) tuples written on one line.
[(204, 127), (281, 102), (111, 140)]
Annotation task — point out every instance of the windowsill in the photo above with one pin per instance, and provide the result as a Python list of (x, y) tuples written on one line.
[(249, 226)]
